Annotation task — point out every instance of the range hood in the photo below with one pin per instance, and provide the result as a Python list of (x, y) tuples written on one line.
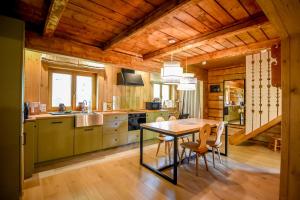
[(128, 77)]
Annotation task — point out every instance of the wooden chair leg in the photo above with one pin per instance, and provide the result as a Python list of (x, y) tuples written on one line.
[(189, 156), (180, 159), (158, 148), (205, 162), (275, 145), (166, 147), (213, 156), (219, 154), (196, 164)]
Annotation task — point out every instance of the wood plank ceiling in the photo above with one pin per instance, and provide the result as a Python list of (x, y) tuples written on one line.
[(143, 29)]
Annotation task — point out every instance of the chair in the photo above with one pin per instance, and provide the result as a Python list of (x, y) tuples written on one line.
[(217, 143), (172, 118), (275, 143), (199, 148), (164, 139)]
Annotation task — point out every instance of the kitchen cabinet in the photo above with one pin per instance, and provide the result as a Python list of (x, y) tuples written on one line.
[(87, 139), (55, 138), (115, 130), (151, 117), (29, 148), (115, 139)]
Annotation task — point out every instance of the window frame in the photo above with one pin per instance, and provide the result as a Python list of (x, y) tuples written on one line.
[(74, 74), (160, 88)]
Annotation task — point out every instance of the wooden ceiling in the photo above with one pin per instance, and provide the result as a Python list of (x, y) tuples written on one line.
[(140, 31)]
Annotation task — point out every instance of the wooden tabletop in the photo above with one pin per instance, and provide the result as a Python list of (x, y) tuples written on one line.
[(179, 127)]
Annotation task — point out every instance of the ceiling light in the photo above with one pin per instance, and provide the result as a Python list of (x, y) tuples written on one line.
[(171, 72), (204, 62), (172, 41), (187, 81)]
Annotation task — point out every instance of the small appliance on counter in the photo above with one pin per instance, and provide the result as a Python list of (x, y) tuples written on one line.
[(153, 105), (61, 107)]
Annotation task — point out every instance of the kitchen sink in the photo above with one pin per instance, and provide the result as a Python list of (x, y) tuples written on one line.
[(88, 119)]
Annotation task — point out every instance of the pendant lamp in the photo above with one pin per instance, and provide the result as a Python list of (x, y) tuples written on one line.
[(187, 81), (171, 73)]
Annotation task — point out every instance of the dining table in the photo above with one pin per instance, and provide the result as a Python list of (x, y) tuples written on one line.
[(176, 129)]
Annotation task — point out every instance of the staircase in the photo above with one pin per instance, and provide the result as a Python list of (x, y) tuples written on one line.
[(270, 127)]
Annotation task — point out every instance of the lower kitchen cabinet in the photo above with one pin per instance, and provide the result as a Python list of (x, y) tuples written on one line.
[(29, 148), (55, 138), (115, 139), (87, 139), (133, 136)]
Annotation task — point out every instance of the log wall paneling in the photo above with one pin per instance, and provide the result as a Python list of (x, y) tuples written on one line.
[(217, 77)]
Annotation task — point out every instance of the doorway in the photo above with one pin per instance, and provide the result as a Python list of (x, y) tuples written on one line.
[(234, 102)]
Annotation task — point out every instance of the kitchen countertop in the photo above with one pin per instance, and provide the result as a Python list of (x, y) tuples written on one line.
[(115, 112)]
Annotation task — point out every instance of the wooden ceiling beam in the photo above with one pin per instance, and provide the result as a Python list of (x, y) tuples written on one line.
[(163, 10), (235, 51), (84, 51), (226, 31), (55, 12)]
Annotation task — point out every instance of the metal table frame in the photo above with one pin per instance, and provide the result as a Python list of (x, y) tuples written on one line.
[(175, 161)]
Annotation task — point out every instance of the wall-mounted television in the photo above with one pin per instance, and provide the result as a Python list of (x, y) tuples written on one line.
[(215, 88)]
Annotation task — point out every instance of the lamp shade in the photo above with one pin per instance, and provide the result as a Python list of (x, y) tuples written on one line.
[(187, 82), (171, 73)]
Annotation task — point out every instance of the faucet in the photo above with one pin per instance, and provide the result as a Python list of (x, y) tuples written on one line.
[(84, 103)]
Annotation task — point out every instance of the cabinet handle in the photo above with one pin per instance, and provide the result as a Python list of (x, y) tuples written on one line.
[(116, 139), (116, 129), (88, 129), (59, 122), (116, 124), (116, 117)]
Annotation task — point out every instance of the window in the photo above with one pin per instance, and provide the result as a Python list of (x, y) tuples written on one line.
[(165, 92), (156, 91), (161, 91), (61, 89), (70, 88), (83, 89)]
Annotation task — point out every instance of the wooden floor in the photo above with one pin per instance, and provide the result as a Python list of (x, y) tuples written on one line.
[(250, 172)]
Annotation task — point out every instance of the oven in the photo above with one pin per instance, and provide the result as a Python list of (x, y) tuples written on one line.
[(135, 119)]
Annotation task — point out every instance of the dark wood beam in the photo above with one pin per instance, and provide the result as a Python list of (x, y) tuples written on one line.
[(235, 51), (79, 50), (54, 14), (165, 9), (226, 31)]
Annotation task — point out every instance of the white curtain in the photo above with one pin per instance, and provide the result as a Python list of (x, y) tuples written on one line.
[(191, 101)]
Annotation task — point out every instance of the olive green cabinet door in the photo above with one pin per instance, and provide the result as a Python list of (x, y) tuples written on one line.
[(55, 138), (87, 139), (29, 143)]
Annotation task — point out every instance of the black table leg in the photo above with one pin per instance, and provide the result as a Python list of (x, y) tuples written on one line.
[(141, 145), (226, 140), (175, 160)]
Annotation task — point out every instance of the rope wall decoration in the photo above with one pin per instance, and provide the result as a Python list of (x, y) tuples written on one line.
[(269, 84), (277, 100), (263, 100), (252, 88), (260, 86)]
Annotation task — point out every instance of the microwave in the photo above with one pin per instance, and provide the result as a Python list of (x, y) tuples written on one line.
[(153, 105)]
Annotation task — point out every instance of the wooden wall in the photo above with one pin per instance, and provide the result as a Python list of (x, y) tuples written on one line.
[(216, 77), (37, 90)]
